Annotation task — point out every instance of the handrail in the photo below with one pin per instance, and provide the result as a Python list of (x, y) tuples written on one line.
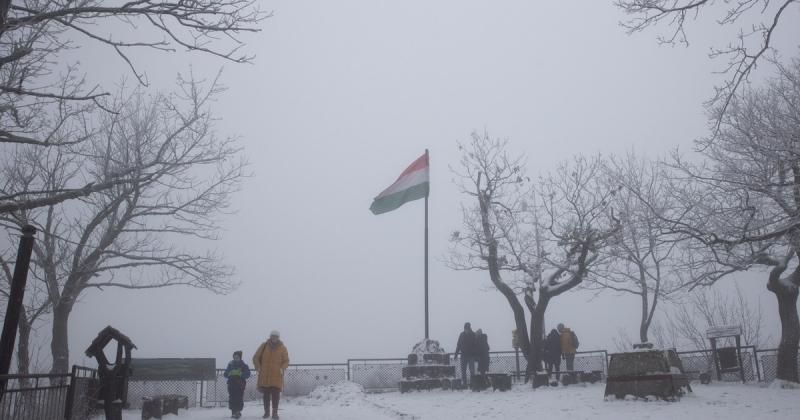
[(35, 376)]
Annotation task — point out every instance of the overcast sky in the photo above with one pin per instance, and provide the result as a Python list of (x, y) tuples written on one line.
[(342, 97)]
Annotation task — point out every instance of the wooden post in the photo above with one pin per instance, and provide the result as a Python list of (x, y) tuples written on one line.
[(715, 358), (739, 357), (15, 298)]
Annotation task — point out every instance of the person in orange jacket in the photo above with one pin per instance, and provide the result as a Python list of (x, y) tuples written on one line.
[(569, 345), (271, 360)]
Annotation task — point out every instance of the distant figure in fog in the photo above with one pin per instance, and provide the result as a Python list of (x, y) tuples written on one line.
[(552, 353), (482, 351), (466, 346), (271, 360)]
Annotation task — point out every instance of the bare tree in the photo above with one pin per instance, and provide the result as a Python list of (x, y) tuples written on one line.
[(531, 250), (758, 22), (695, 313), (181, 178), (659, 334), (40, 94), (643, 260), (741, 205)]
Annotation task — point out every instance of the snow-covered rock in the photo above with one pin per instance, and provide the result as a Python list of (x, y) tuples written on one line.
[(427, 346)]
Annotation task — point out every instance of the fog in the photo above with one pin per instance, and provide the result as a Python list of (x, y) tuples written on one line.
[(341, 98)]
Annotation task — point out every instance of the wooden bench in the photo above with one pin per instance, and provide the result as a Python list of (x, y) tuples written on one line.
[(668, 386), (158, 405), (646, 373)]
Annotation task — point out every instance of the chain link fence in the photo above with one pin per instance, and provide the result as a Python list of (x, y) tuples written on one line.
[(514, 363), (139, 390), (385, 374), (510, 362), (298, 380), (702, 361), (768, 363), (71, 396), (377, 374)]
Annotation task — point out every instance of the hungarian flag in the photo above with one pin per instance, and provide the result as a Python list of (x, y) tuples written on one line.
[(412, 184)]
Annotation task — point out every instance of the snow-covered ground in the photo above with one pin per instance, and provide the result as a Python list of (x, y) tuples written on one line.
[(346, 401)]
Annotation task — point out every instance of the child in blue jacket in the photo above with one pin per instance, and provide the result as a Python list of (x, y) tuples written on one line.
[(237, 373)]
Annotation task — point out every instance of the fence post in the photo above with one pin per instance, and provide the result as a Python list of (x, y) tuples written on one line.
[(348, 370), (15, 296), (758, 368), (71, 393)]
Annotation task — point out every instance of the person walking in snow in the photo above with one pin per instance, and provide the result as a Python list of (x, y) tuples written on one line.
[(271, 360), (552, 353), (569, 345), (482, 351), (466, 346), (237, 373)]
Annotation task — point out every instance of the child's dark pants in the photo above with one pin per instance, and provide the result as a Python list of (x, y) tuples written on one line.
[(236, 395)]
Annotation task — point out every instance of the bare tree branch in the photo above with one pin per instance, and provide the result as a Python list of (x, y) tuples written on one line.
[(743, 56)]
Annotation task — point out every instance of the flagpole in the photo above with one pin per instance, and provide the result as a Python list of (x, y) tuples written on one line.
[(426, 258)]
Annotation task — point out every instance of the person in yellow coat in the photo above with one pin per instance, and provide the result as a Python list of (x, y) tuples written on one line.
[(271, 360)]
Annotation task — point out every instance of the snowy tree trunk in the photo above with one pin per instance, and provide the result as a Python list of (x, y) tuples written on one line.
[(23, 346), (537, 334), (790, 331), (645, 324), (59, 346)]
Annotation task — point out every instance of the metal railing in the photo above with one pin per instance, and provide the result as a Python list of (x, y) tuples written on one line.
[(83, 392), (71, 396), (34, 397), (50, 396)]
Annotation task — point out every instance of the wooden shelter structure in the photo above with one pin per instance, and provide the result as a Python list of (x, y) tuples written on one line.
[(113, 377), (727, 359)]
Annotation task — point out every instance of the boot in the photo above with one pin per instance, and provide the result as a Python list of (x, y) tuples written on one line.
[(275, 415)]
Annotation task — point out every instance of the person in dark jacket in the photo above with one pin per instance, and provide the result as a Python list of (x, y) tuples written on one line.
[(552, 353), (482, 351), (237, 373), (466, 347)]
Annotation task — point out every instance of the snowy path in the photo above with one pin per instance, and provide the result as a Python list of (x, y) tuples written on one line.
[(718, 401), (346, 402)]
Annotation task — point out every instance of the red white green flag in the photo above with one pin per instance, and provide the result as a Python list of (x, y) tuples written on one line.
[(412, 184)]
